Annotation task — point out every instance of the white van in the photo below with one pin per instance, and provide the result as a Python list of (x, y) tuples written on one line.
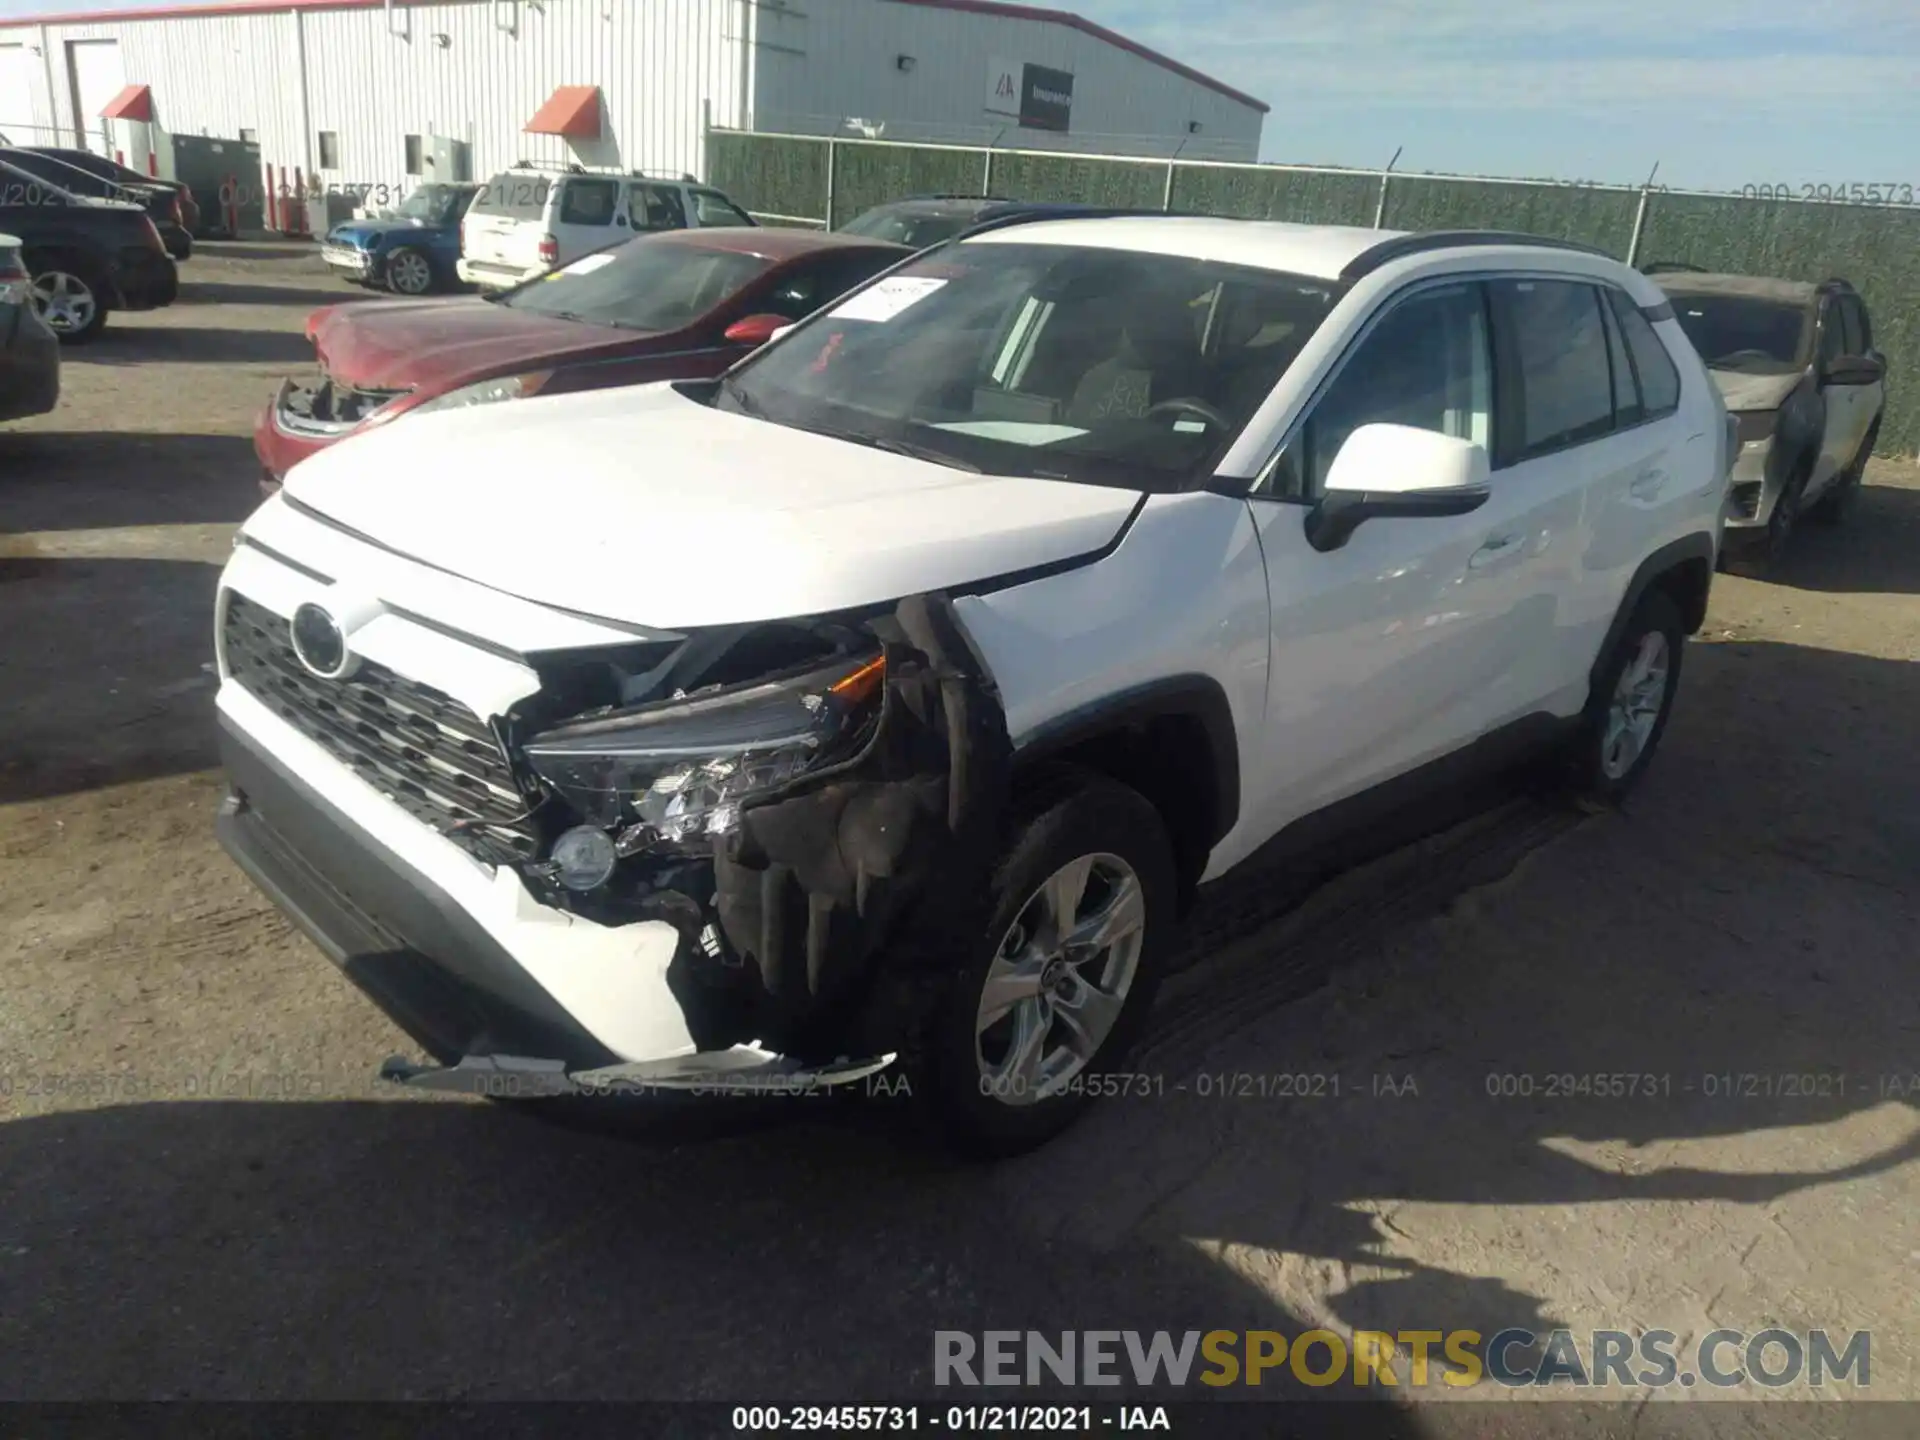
[(525, 222)]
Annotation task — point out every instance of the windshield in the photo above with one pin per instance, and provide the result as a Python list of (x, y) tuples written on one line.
[(434, 204), (1738, 332), (649, 283), (1108, 366), (903, 227)]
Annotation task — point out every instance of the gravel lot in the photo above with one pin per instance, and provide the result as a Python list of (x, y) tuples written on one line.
[(204, 1192)]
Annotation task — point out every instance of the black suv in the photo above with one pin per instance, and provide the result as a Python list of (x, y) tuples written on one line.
[(85, 256), (159, 199)]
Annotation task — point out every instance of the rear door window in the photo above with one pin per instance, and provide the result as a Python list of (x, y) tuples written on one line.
[(585, 201), (1652, 365), (1852, 339), (656, 207), (514, 196), (1559, 347), (713, 208), (1627, 409)]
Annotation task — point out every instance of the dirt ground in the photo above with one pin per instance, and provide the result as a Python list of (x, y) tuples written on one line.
[(205, 1193)]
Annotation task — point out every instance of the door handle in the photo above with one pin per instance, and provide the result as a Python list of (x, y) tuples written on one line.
[(1494, 547), (1648, 484)]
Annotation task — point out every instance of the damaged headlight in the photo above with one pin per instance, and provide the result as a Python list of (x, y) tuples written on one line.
[(488, 392), (676, 773)]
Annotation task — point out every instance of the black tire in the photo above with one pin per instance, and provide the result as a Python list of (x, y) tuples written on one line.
[(76, 272), (409, 271), (1831, 508), (1592, 774), (1071, 814), (1759, 557)]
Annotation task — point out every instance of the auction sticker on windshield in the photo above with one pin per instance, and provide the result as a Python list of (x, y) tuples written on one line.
[(888, 298), (586, 265)]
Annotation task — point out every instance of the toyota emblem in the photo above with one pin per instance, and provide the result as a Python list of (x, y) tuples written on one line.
[(320, 643)]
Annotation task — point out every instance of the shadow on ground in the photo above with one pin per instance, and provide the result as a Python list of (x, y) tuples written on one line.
[(447, 1250), (189, 345), (86, 480), (1875, 550), (109, 682), (222, 292)]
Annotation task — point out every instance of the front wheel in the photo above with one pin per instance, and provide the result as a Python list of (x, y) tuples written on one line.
[(1627, 712), (409, 272), (1082, 910)]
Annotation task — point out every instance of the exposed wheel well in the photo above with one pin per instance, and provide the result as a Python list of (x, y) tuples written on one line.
[(1687, 584), (1169, 758)]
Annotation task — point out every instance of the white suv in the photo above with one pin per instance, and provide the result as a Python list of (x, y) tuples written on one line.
[(882, 706), (525, 222)]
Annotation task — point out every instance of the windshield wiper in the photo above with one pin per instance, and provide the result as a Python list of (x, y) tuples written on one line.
[(901, 447)]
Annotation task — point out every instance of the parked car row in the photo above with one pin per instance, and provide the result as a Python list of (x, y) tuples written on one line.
[(883, 699), (86, 254), (29, 351), (519, 224)]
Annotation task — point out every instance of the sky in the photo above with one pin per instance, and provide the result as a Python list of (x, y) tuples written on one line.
[(1721, 93)]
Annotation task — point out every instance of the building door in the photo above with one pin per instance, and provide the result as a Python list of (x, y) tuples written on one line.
[(93, 66), (16, 96)]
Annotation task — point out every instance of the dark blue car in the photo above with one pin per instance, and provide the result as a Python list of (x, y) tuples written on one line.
[(410, 250)]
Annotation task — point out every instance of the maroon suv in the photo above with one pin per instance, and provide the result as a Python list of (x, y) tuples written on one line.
[(677, 305)]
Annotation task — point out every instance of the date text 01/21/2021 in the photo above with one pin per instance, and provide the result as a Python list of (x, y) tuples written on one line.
[(954, 1419)]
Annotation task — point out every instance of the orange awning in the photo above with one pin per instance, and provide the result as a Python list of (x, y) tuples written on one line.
[(572, 111), (133, 103)]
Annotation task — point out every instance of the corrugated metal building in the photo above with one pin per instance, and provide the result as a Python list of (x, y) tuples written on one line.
[(355, 91)]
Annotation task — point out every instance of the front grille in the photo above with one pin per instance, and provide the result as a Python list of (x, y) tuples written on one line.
[(424, 750)]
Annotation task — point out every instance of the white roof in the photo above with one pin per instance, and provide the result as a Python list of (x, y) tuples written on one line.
[(1322, 251)]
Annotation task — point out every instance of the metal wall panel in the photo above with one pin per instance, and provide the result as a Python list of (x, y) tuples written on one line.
[(820, 63)]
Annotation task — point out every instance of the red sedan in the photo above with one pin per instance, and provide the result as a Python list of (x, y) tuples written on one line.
[(677, 305)]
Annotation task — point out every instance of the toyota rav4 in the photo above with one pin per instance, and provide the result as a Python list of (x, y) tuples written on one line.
[(884, 703)]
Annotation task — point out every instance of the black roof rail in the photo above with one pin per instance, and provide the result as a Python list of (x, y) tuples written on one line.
[(1401, 246), (1669, 267), (1835, 283)]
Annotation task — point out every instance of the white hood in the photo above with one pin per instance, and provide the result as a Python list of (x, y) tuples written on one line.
[(643, 506)]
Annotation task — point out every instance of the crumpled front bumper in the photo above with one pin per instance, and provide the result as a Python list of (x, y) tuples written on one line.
[(443, 974)]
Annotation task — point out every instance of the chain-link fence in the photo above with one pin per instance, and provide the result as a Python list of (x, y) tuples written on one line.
[(826, 181)]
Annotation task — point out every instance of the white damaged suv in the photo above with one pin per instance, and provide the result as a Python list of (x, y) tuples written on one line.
[(881, 707)]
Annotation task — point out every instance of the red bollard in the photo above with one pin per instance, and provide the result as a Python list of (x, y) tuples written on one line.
[(300, 202), (119, 157), (231, 193), (153, 165)]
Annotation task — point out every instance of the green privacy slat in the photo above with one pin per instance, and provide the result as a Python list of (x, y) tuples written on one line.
[(1877, 248)]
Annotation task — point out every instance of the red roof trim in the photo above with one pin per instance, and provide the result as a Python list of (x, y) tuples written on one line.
[(133, 103), (977, 7), (1098, 32), (572, 111)]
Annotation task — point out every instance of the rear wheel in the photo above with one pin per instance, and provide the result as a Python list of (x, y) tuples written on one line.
[(409, 272), (69, 300), (1058, 986), (1631, 700)]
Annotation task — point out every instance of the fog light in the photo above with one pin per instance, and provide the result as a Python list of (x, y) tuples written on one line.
[(583, 858)]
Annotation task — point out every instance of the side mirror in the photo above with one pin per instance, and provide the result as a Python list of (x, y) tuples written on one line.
[(757, 330), (1854, 370), (1397, 472)]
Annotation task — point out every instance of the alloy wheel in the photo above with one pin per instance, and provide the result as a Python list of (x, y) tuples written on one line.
[(64, 301), (409, 273), (1059, 979), (1639, 696)]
